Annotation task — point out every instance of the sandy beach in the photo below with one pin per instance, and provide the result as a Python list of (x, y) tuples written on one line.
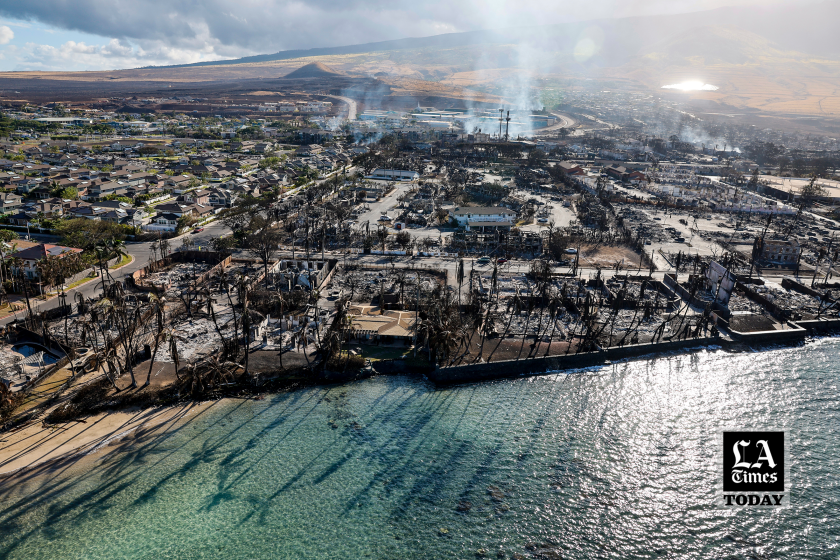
[(37, 445)]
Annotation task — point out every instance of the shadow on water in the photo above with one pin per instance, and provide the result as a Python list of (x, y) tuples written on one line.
[(48, 483), (572, 457)]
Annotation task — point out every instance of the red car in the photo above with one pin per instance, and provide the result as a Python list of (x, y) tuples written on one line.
[(501, 260), (198, 230)]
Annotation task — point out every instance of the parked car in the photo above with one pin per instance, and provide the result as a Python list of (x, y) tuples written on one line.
[(501, 260), (483, 260), (198, 230)]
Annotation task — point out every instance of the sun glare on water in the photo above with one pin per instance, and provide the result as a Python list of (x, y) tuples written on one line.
[(692, 86)]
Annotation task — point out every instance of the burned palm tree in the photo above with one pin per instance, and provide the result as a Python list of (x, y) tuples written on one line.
[(527, 324), (174, 355), (159, 334), (553, 310), (164, 248), (459, 276), (633, 327), (62, 297), (246, 324), (514, 308), (16, 265)]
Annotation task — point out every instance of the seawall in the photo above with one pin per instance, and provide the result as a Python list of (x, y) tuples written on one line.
[(798, 332), (534, 366)]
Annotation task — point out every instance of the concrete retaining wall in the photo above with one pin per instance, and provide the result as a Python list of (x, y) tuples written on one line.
[(821, 325), (771, 337), (791, 284), (516, 368)]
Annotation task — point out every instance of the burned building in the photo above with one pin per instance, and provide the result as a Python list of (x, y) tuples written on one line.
[(779, 252)]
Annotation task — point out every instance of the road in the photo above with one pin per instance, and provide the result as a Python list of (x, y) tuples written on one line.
[(351, 106), (565, 121), (383, 206), (387, 207), (141, 253)]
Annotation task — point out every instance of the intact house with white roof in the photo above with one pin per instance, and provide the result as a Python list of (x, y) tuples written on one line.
[(483, 218)]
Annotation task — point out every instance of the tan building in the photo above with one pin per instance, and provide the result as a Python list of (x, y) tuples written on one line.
[(370, 324)]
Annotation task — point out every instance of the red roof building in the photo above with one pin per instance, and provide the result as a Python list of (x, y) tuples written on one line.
[(31, 256)]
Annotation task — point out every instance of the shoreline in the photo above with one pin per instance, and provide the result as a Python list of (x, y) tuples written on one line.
[(37, 446)]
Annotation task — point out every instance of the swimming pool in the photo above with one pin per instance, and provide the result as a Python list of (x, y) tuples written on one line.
[(29, 349)]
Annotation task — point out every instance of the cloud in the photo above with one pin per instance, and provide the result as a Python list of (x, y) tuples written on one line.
[(178, 31), (114, 54), (259, 26), (6, 34)]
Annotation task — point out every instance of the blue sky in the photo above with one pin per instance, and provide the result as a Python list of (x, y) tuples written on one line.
[(113, 34)]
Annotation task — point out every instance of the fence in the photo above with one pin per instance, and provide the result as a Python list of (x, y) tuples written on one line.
[(159, 227)]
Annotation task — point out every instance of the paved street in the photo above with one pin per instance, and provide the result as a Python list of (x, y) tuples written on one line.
[(383, 206), (141, 253), (351, 106)]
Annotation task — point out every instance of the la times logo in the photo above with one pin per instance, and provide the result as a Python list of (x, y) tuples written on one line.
[(754, 469)]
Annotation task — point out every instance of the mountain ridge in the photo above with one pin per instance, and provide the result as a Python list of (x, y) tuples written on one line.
[(807, 28)]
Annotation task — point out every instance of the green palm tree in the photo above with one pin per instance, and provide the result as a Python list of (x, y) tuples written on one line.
[(118, 248)]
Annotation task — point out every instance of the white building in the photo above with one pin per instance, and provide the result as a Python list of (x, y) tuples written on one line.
[(394, 175), (483, 218)]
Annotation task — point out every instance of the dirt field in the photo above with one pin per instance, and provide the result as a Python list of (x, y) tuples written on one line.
[(608, 257)]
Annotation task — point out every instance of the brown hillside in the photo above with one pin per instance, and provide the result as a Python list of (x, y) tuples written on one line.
[(313, 70)]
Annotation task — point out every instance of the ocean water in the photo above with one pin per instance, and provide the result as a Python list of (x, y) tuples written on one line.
[(613, 462)]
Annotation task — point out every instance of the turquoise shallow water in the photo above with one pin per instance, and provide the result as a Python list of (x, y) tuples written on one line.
[(615, 462)]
